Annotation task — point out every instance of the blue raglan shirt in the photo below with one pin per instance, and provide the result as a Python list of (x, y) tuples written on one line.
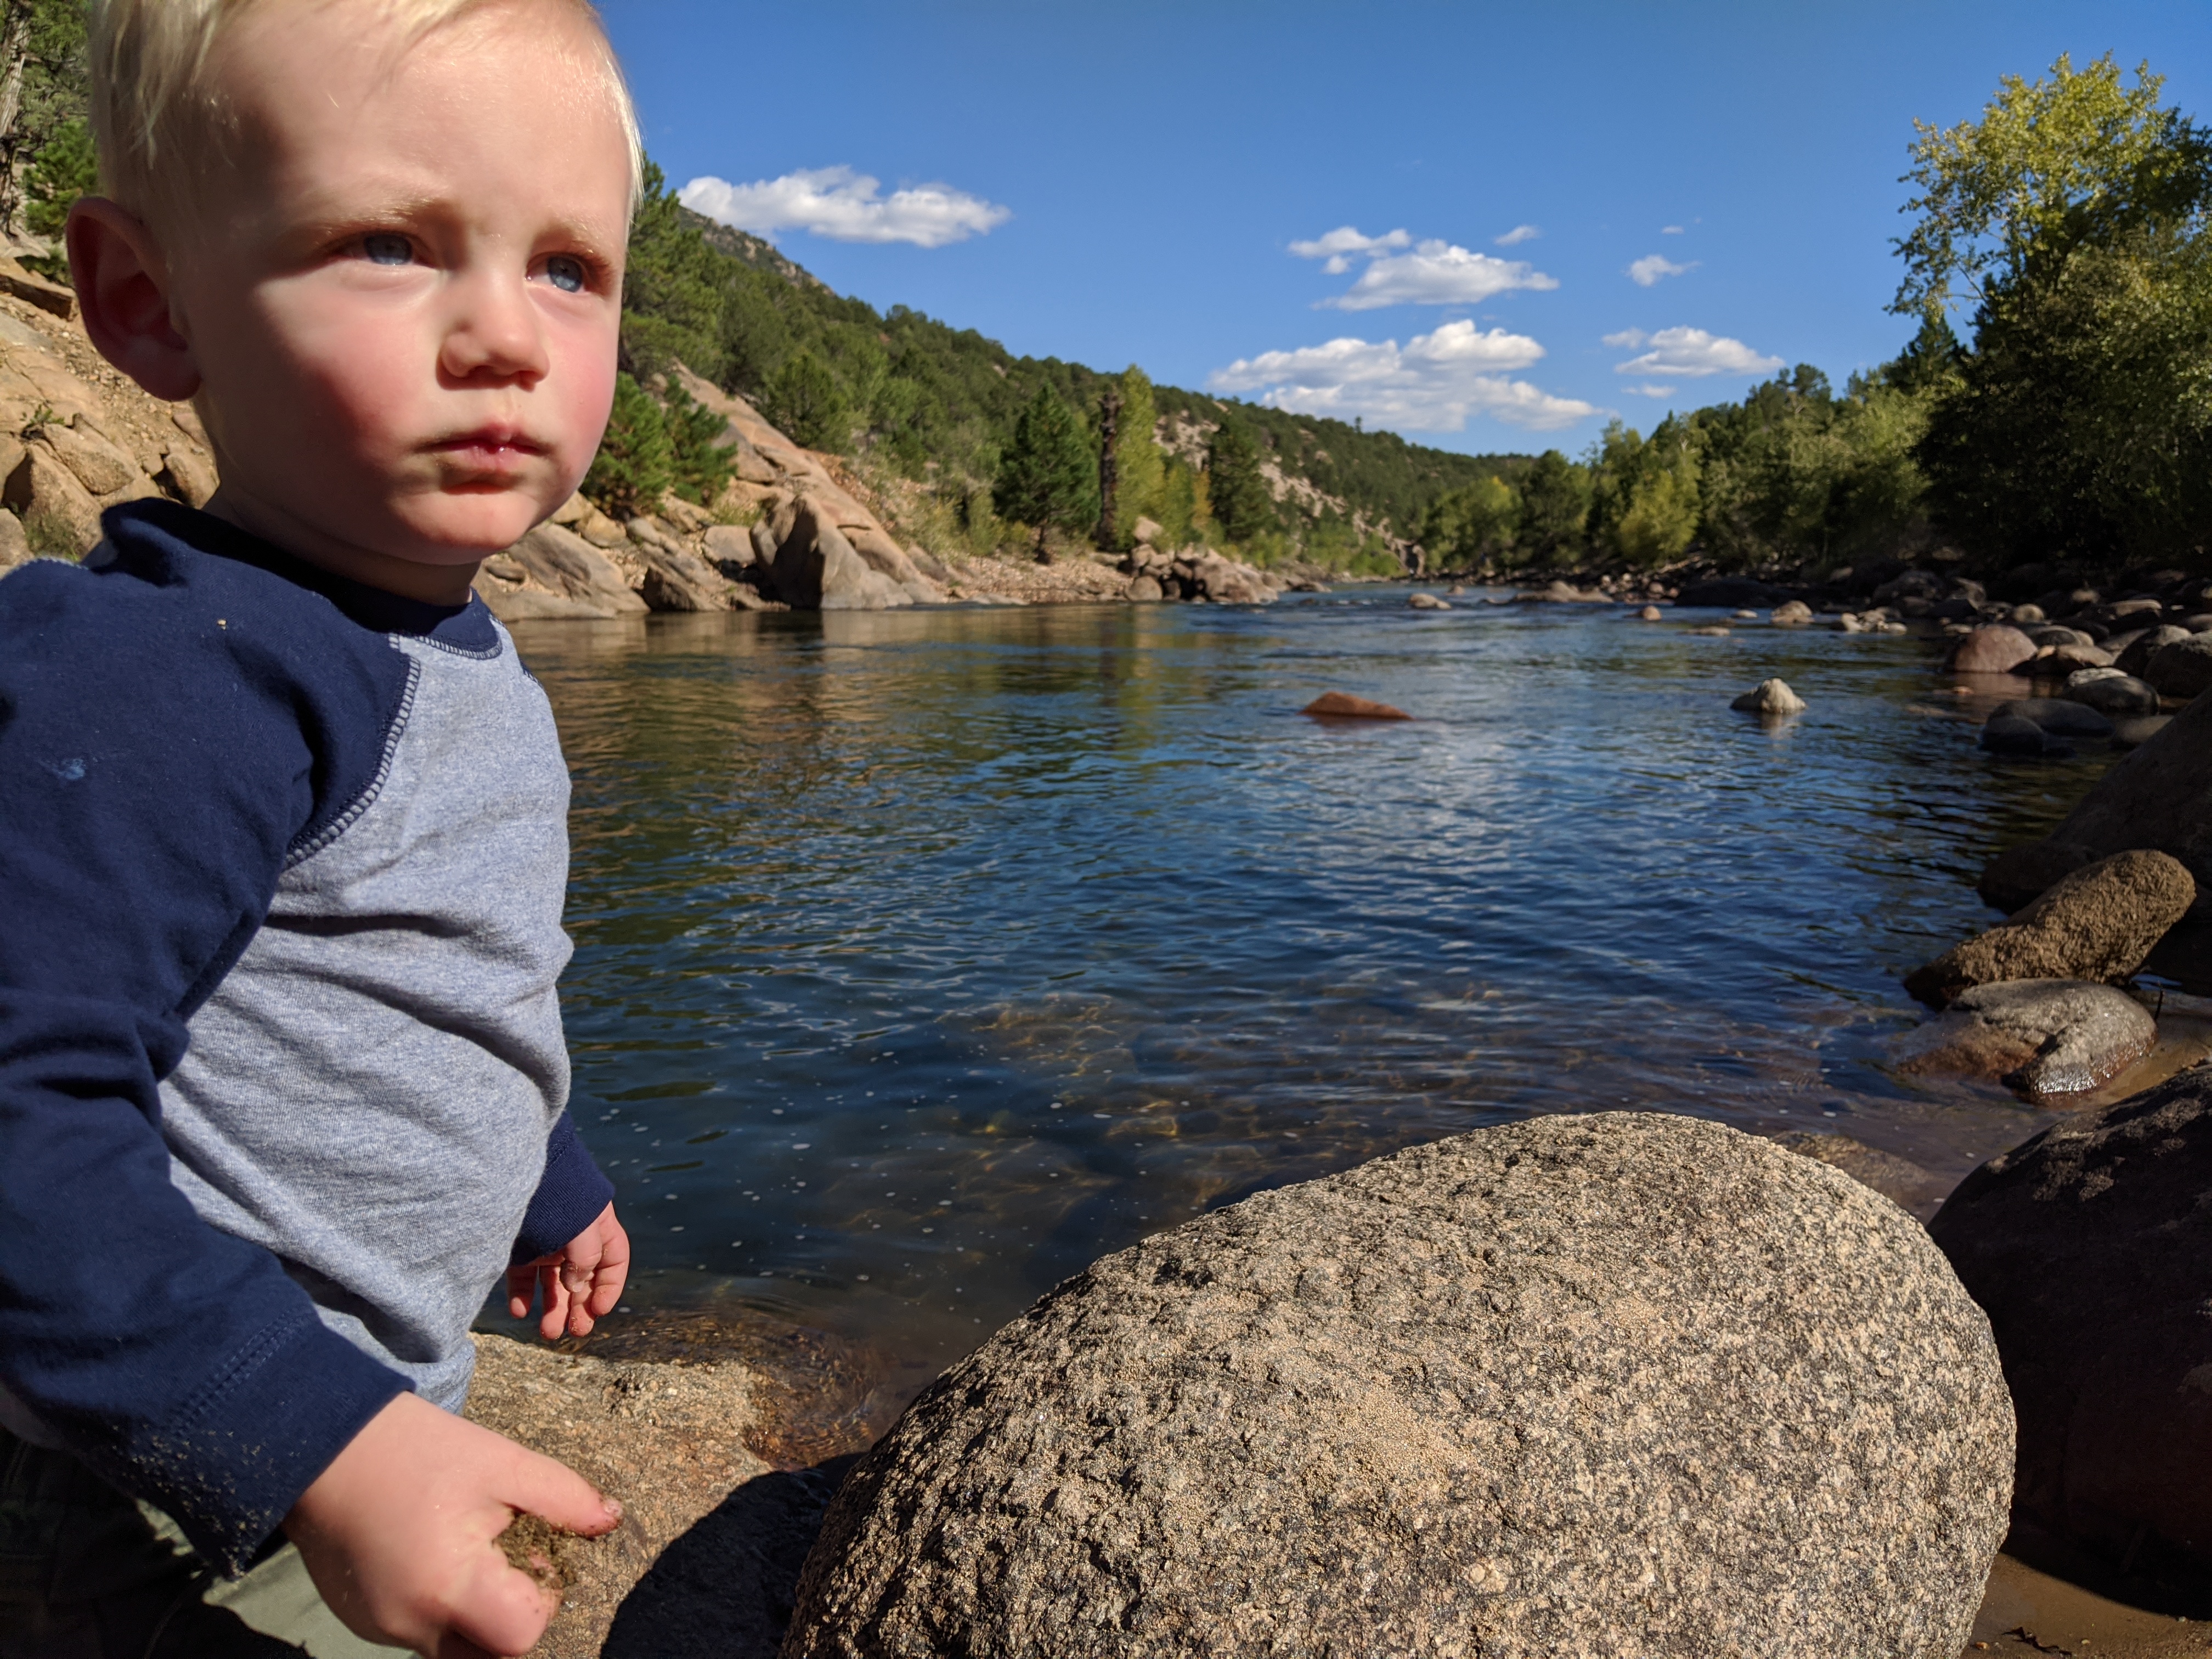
[(282, 1079)]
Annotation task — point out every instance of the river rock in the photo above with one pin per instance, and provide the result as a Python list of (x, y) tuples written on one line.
[(2158, 795), (1144, 590), (2067, 660), (2087, 1246), (681, 580), (815, 567), (1769, 697), (2016, 734), (1342, 706), (2058, 716), (1224, 581), (1427, 602), (2145, 645), (2046, 1037), (2055, 636), (1793, 613), (1624, 1384), (2132, 732), (1996, 649), (2182, 668), (2111, 692), (2098, 923), (1650, 613)]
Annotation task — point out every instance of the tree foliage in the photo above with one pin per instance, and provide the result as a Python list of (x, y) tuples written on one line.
[(635, 463), (808, 402), (1139, 463), (1241, 503), (1048, 478)]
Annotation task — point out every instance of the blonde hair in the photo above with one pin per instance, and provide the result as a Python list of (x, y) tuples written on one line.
[(157, 119)]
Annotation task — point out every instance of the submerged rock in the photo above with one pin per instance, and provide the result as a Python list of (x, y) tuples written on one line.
[(2087, 1246), (2110, 692), (1769, 697), (2058, 717), (2046, 1037), (1426, 602), (2098, 923), (1341, 706), (1622, 1384), (2016, 734), (1650, 613)]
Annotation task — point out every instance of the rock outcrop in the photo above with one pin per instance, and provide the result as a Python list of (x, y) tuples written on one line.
[(2098, 923), (1201, 573), (2087, 1246), (2158, 796), (1621, 1385), (2048, 1038), (1769, 697)]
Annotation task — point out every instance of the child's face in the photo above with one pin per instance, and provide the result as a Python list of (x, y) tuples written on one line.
[(403, 306)]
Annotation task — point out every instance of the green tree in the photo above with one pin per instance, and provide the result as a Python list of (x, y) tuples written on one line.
[(1048, 477), (1472, 526), (1554, 502), (1139, 463), (699, 452), (804, 399), (635, 464), (1242, 505)]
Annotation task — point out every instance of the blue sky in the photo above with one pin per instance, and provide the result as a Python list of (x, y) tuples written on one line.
[(1128, 182)]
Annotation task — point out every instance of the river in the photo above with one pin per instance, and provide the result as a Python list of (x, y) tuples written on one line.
[(923, 957)]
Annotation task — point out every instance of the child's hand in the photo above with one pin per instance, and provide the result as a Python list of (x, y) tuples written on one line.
[(398, 1533), (581, 1282)]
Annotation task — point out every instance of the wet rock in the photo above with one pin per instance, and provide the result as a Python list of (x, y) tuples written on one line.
[(2088, 1247), (2017, 735), (2058, 717), (1793, 613), (2145, 645), (1427, 602), (2110, 692), (2133, 731), (1144, 590), (1769, 697), (2183, 668), (1341, 706), (1650, 613), (2157, 796), (1713, 633), (1996, 649), (2046, 1037), (2098, 923), (1621, 1384)]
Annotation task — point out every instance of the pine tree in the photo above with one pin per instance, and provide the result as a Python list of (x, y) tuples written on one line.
[(804, 400), (634, 463), (1242, 505), (699, 457), (1048, 477)]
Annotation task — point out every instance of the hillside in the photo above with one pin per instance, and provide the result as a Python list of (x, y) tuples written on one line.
[(904, 394)]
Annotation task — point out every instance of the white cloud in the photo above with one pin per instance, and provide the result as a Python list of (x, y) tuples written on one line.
[(1347, 240), (1647, 272), (843, 205), (1432, 385), (1517, 235), (1647, 390), (1437, 273), (1689, 353), (1670, 230)]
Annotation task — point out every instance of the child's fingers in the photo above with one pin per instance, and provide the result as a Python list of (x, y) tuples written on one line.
[(555, 1320), (612, 1274), (536, 1485), (503, 1611)]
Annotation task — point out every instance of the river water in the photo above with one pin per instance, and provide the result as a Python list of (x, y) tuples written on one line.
[(923, 957)]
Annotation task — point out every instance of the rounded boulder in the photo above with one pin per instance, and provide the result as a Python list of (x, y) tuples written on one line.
[(2183, 668), (1996, 649), (1624, 1384)]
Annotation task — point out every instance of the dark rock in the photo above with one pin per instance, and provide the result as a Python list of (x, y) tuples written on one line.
[(1910, 585), (1998, 649), (2015, 734), (2157, 796), (2046, 1037), (2132, 733), (2110, 692), (2099, 922), (1624, 1384), (1732, 593), (2088, 1247), (2058, 717), (2183, 668), (2137, 655), (1341, 706)]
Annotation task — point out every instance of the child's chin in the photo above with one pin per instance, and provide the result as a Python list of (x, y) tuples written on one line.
[(463, 527)]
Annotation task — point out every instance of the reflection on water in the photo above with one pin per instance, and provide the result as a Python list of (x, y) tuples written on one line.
[(924, 957)]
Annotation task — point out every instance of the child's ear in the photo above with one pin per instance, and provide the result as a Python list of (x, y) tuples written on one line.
[(122, 289)]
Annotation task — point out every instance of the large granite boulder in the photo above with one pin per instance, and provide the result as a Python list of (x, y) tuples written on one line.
[(1224, 581), (563, 562), (1623, 1385), (817, 568), (2100, 922), (1998, 649), (2087, 1245), (2158, 796), (2048, 1038), (2110, 692)]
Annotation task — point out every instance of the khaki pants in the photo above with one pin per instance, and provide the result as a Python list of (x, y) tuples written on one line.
[(87, 1572)]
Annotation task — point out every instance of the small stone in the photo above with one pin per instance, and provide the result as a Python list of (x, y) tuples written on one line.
[(1793, 613), (1427, 602), (1650, 613), (1341, 706), (1769, 697), (2046, 1037)]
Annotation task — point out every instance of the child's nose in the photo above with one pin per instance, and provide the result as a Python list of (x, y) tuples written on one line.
[(494, 332)]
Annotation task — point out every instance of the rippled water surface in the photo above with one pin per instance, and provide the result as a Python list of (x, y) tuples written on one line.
[(923, 957)]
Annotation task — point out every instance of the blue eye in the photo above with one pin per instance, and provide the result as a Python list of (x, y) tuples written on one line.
[(388, 250), (565, 273)]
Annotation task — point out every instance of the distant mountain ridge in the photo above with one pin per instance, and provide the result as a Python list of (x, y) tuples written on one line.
[(756, 250)]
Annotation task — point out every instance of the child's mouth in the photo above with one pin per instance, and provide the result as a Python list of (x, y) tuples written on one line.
[(490, 451)]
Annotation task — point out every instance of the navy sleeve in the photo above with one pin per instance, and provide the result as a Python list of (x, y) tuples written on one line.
[(570, 1195), (170, 726)]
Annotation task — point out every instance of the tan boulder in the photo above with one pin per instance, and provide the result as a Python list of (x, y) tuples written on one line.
[(563, 562), (1996, 649), (817, 568), (1343, 705), (885, 555), (56, 510), (729, 544), (512, 602), (1769, 697), (187, 477), (1792, 613), (681, 580), (2098, 923), (15, 545), (99, 466)]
